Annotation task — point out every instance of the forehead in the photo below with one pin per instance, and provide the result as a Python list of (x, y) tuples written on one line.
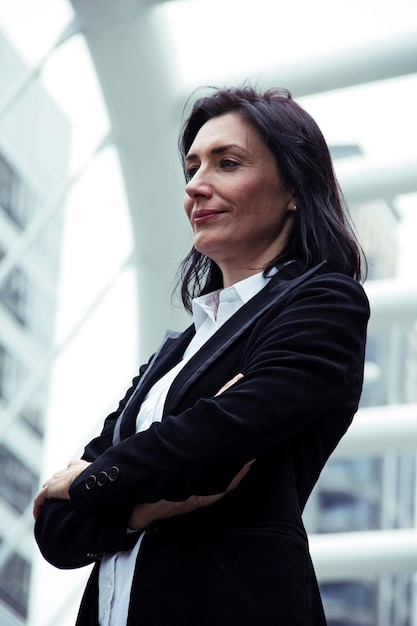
[(227, 129)]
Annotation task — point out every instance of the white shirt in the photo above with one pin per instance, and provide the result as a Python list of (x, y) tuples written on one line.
[(209, 313)]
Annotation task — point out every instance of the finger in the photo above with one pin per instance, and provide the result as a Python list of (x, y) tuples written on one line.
[(241, 474), (229, 384), (39, 502)]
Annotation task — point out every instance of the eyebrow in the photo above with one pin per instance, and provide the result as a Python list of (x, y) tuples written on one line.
[(217, 150)]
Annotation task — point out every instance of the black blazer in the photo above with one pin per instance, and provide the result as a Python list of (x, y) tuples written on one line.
[(243, 561)]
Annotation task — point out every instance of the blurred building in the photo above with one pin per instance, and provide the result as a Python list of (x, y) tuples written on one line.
[(34, 143), (371, 493)]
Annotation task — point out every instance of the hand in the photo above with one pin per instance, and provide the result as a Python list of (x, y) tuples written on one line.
[(231, 382), (58, 485), (145, 513)]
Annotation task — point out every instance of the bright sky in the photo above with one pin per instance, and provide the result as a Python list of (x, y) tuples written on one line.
[(209, 39)]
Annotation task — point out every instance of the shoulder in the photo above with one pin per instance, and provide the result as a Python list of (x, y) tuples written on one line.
[(319, 298), (320, 283), (338, 286)]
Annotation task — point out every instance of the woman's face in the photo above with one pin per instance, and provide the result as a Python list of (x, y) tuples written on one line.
[(239, 210)]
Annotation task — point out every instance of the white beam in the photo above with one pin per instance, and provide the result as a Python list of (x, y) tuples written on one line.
[(356, 555), (128, 48), (359, 64), (364, 62), (363, 179), (14, 93), (391, 301), (381, 429)]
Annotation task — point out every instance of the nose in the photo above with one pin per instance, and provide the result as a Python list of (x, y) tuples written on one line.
[(198, 185)]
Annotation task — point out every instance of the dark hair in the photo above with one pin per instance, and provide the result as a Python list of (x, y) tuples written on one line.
[(322, 228)]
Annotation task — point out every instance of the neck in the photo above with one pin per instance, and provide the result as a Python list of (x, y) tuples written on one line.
[(230, 277)]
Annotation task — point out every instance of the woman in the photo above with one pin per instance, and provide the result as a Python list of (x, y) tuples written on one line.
[(190, 500)]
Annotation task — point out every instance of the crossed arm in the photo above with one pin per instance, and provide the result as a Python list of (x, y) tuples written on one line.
[(143, 514)]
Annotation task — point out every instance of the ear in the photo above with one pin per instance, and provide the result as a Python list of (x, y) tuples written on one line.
[(292, 204)]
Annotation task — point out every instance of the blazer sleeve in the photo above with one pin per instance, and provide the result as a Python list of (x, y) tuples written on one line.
[(303, 357), (68, 538)]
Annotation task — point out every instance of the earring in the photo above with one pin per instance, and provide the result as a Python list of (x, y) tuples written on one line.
[(294, 207)]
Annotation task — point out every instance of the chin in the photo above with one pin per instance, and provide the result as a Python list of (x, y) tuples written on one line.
[(204, 247)]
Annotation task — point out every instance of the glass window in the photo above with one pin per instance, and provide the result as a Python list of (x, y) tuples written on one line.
[(2, 360), (14, 584), (6, 184), (16, 198), (347, 512), (27, 303), (350, 603), (17, 482), (12, 374), (13, 294)]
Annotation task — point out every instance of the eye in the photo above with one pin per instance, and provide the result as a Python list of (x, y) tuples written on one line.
[(228, 164), (189, 172)]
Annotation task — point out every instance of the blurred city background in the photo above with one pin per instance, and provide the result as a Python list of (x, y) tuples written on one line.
[(92, 94)]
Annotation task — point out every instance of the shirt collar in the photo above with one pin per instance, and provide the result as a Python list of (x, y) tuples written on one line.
[(241, 292)]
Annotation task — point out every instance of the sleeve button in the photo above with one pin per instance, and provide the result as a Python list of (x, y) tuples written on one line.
[(102, 479), (90, 483), (113, 474)]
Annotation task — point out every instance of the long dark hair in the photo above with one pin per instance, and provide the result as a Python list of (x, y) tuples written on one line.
[(322, 228)]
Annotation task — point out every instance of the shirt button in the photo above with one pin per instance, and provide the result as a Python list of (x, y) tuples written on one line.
[(90, 483), (228, 296), (113, 474), (102, 479)]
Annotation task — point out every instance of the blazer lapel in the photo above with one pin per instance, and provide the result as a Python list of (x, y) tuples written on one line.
[(168, 354), (230, 332), (174, 344)]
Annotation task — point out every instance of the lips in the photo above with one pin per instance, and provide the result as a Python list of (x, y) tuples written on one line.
[(205, 215)]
